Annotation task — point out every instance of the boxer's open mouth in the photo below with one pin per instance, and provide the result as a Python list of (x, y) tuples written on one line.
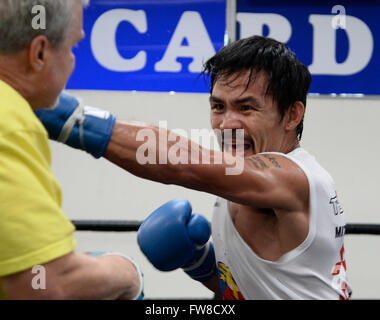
[(246, 148)]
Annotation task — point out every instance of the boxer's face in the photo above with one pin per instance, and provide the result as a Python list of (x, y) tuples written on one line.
[(234, 106), (60, 62)]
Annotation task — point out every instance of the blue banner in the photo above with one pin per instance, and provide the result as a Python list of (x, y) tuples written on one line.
[(160, 45), (150, 45), (337, 40)]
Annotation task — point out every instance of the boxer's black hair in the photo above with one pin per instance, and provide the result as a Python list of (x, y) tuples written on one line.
[(288, 79)]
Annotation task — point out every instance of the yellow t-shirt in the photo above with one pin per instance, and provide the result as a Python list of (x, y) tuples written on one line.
[(33, 228)]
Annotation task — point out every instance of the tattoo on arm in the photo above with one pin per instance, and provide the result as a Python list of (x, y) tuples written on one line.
[(253, 161), (260, 164), (273, 160)]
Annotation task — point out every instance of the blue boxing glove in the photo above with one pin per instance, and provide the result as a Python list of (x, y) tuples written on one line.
[(78, 126), (173, 237)]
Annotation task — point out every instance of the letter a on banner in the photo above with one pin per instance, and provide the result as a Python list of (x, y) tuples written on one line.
[(200, 48)]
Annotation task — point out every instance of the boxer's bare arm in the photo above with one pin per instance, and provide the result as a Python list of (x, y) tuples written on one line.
[(77, 276), (265, 182), (213, 285)]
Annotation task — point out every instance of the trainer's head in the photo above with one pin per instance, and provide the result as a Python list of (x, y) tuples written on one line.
[(259, 85), (36, 41)]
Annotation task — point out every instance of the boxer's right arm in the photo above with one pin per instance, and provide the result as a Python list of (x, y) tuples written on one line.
[(78, 276)]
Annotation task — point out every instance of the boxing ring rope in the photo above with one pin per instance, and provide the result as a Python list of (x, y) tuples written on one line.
[(107, 225), (133, 226)]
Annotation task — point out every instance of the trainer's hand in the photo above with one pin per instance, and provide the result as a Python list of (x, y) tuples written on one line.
[(140, 293), (78, 126), (173, 237)]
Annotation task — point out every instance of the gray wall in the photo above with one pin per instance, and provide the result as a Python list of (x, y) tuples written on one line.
[(342, 133)]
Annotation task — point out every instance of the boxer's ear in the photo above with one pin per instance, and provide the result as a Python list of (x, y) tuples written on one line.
[(294, 116)]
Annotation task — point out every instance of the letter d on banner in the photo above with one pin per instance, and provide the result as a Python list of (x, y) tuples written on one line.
[(324, 46)]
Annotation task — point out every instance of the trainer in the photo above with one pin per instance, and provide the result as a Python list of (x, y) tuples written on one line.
[(37, 257), (275, 228)]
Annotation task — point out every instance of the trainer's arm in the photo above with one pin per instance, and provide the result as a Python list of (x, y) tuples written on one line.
[(78, 276)]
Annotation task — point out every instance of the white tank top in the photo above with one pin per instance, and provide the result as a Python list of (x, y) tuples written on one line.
[(316, 269)]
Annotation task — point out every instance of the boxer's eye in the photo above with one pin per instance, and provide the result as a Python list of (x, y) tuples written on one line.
[(246, 108), (217, 107)]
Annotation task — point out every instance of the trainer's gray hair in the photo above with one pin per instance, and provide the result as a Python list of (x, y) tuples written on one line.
[(16, 27)]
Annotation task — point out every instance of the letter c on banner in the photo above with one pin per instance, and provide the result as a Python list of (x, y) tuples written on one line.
[(103, 39)]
